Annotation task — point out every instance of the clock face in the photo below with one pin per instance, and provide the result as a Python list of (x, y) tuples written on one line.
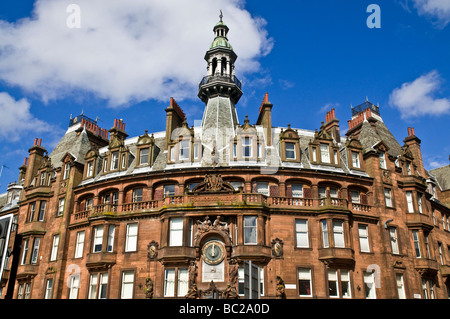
[(213, 252)]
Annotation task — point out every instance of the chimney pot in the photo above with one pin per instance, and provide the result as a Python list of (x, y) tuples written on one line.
[(40, 140)]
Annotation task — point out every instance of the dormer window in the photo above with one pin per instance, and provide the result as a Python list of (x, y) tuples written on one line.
[(143, 156), (408, 168), (355, 160), (66, 171), (184, 149), (382, 159), (115, 160), (314, 154), (247, 146), (324, 153), (90, 169), (43, 175), (290, 150)]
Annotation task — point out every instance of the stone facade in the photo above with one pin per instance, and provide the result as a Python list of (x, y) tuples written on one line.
[(176, 214)]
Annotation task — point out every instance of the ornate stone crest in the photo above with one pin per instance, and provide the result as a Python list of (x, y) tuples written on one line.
[(152, 248), (277, 248)]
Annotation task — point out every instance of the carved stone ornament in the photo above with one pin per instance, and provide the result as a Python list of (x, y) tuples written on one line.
[(152, 248), (277, 248), (387, 176), (206, 226), (213, 184)]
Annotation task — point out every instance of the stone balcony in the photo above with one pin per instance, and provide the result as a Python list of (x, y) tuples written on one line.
[(236, 200)]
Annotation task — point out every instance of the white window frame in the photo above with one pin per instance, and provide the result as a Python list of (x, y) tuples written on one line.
[(382, 159), (305, 275), (114, 160), (61, 204), (369, 285), (419, 202), (409, 201), (325, 153), (144, 154), (98, 239), (394, 240), (169, 282), (400, 286), (66, 171), (42, 207), (127, 287), (325, 238), (184, 150), (176, 231), (388, 197), (301, 233), (183, 282), (55, 245), (250, 230), (110, 242), (338, 234), (332, 276), (48, 288), (247, 144), (131, 237), (74, 286), (79, 246), (416, 242), (363, 232), (290, 149), (35, 250), (355, 160)]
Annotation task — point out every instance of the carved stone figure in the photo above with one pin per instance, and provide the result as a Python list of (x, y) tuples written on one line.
[(230, 292), (193, 293), (148, 288), (192, 274), (234, 272), (203, 227), (280, 293)]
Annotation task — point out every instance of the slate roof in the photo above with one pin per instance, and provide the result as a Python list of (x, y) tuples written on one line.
[(70, 143), (442, 175)]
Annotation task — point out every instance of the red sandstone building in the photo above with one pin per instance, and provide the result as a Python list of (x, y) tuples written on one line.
[(177, 213)]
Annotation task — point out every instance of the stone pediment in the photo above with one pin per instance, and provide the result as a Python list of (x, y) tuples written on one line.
[(146, 139)]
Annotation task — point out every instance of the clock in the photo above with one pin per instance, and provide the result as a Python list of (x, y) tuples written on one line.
[(213, 252)]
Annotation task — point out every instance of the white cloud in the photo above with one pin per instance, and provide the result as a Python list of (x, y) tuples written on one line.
[(16, 119), (125, 51), (416, 98), (439, 10)]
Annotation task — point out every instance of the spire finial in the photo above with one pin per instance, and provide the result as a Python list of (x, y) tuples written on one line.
[(221, 16)]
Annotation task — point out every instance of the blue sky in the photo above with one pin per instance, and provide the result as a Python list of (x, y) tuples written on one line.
[(129, 57)]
